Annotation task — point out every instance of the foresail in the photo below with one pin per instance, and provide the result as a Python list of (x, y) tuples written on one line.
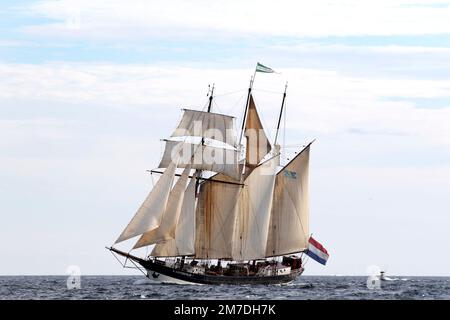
[(202, 157), (289, 225), (166, 248), (207, 125), (216, 216), (150, 213), (184, 242), (185, 232), (166, 229), (253, 213), (258, 144)]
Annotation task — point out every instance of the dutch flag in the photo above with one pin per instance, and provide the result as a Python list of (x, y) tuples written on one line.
[(316, 251)]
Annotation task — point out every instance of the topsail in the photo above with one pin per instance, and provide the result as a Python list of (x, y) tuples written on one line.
[(202, 157), (258, 145), (209, 125)]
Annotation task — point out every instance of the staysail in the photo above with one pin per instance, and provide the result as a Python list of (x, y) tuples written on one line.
[(184, 242), (253, 213), (166, 229), (150, 213), (289, 225)]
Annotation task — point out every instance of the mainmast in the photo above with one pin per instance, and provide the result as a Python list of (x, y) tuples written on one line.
[(259, 68), (246, 107)]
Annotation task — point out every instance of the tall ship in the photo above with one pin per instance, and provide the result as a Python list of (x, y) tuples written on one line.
[(224, 211)]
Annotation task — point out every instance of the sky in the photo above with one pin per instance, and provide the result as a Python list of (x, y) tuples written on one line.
[(88, 89)]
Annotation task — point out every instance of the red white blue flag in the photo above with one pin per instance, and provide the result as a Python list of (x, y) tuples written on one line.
[(316, 251)]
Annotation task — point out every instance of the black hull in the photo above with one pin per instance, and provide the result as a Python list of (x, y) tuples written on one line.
[(155, 269)]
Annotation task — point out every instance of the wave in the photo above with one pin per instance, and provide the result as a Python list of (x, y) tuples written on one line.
[(143, 282)]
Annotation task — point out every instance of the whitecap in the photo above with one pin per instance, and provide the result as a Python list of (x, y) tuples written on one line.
[(141, 282)]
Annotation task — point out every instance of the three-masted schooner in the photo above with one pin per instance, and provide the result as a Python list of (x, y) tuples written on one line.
[(247, 221)]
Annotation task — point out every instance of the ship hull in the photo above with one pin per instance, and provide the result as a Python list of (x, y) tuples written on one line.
[(161, 273)]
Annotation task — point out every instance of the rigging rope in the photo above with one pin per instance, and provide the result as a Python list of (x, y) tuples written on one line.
[(228, 93)]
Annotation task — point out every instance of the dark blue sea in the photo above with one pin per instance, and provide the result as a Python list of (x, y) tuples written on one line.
[(305, 287)]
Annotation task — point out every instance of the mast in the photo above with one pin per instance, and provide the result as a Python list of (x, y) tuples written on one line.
[(252, 79), (211, 98), (199, 172), (259, 68), (244, 118), (281, 113)]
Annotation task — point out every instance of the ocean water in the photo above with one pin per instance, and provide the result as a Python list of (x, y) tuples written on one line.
[(305, 287)]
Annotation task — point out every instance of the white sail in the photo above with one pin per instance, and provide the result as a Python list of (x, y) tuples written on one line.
[(184, 242), (216, 216), (166, 248), (166, 229), (150, 213), (208, 125), (289, 226), (258, 144), (200, 157), (253, 213), (185, 232)]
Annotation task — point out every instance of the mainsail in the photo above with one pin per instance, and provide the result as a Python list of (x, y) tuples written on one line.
[(289, 225), (215, 218), (166, 230)]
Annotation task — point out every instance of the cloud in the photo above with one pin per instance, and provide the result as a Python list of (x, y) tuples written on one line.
[(334, 48), (286, 18), (13, 43), (321, 102)]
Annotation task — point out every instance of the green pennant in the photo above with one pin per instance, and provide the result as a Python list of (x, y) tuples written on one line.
[(263, 68)]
